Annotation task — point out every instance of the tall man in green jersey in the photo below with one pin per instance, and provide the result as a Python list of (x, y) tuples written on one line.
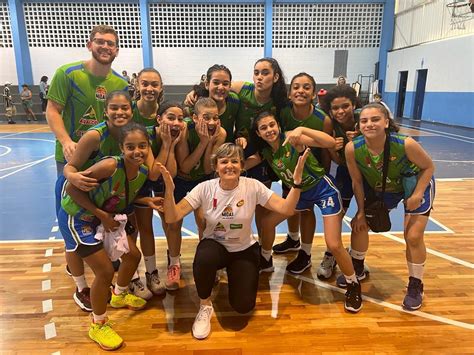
[(76, 100), (77, 92)]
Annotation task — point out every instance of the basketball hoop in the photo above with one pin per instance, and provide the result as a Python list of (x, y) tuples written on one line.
[(461, 11)]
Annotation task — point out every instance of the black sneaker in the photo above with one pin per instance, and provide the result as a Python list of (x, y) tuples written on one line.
[(300, 264), (83, 299), (361, 271), (288, 245), (414, 296), (353, 302), (266, 266)]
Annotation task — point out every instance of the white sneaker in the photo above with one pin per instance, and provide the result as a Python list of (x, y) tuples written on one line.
[(327, 266), (202, 323), (138, 288), (153, 283)]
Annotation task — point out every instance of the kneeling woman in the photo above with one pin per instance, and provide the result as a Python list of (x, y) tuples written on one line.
[(120, 178), (229, 203), (364, 156)]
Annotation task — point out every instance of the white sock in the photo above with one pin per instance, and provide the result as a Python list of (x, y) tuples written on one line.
[(306, 247), (294, 235), (174, 260), (135, 275), (150, 263), (118, 290), (352, 279), (99, 318), (359, 255), (267, 254), (80, 281), (416, 270)]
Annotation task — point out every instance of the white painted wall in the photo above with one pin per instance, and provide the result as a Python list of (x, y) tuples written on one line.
[(184, 66), (8, 66), (319, 62), (450, 65), (45, 61)]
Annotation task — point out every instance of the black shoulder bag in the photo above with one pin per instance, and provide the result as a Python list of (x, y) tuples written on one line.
[(376, 213)]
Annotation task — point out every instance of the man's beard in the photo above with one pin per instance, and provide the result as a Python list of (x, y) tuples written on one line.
[(97, 57)]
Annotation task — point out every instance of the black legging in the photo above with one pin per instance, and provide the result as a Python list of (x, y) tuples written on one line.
[(242, 272), (44, 102)]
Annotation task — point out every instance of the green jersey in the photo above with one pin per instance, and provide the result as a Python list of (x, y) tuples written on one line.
[(371, 166), (83, 97), (314, 121), (341, 132), (111, 194), (250, 109), (197, 172), (283, 163), (108, 146), (229, 116), (155, 140), (137, 116)]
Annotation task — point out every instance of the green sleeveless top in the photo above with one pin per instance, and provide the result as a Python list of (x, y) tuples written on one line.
[(137, 116), (197, 172), (155, 140), (371, 166), (229, 116), (314, 121), (341, 132), (110, 195), (249, 110), (284, 160), (108, 146)]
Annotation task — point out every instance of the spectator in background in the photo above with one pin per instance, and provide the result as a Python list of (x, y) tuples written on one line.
[(10, 109), (132, 86), (378, 99), (319, 96), (43, 86), (26, 97), (125, 76), (341, 80)]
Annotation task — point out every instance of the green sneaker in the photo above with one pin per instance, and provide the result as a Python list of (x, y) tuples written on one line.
[(105, 336), (126, 299)]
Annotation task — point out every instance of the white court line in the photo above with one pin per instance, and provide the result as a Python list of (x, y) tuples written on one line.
[(52, 238), (7, 148), (454, 179), (49, 331), (54, 229), (433, 252), (454, 161), (386, 304), (26, 167), (30, 139), (45, 285), (56, 353), (48, 252), (47, 267), (47, 306), (18, 133), (444, 134)]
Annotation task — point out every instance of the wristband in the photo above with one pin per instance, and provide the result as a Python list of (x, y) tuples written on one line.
[(297, 186)]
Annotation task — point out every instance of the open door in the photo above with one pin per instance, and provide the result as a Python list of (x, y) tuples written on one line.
[(402, 90), (420, 93)]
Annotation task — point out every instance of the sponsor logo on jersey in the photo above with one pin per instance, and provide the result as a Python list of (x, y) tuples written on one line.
[(87, 218), (89, 118), (235, 226), (287, 154), (219, 228), (100, 93), (240, 203), (228, 212)]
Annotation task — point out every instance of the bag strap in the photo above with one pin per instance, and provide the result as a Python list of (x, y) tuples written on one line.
[(386, 156), (126, 182)]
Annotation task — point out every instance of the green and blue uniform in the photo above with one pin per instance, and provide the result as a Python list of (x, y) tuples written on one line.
[(83, 97), (139, 118), (399, 166), (78, 225), (317, 188)]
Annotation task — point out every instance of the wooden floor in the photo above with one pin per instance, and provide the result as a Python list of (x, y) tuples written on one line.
[(293, 314)]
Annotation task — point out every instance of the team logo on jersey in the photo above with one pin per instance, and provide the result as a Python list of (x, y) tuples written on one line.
[(240, 203), (392, 158), (279, 164), (228, 212), (100, 93), (89, 118), (287, 154)]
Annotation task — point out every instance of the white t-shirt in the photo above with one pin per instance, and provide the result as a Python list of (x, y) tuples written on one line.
[(229, 213)]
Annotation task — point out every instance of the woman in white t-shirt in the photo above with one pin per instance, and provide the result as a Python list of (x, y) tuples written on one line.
[(228, 203)]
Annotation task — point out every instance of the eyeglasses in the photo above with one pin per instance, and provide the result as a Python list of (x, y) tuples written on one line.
[(103, 42)]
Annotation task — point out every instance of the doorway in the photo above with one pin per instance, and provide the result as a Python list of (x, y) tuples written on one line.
[(421, 76), (402, 90)]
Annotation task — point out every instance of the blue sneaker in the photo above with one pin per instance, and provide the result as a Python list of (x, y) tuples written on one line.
[(414, 296)]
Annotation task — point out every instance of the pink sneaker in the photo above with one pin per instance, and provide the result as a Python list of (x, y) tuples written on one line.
[(173, 277)]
